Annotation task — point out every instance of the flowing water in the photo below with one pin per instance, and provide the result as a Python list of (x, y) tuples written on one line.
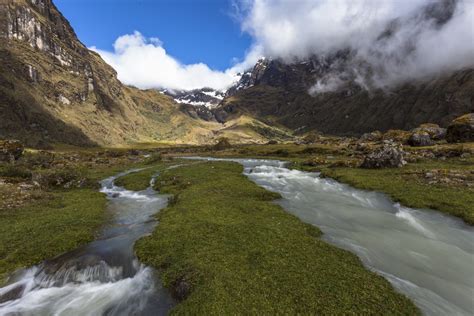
[(101, 278), (424, 254)]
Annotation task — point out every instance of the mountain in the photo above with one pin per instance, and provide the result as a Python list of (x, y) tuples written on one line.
[(206, 97), (280, 93), (54, 90)]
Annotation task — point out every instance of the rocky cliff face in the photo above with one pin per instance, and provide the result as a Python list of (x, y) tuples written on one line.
[(54, 90), (305, 96)]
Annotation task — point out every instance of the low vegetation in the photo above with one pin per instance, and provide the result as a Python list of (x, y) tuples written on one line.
[(50, 204), (49, 226), (223, 247), (411, 185)]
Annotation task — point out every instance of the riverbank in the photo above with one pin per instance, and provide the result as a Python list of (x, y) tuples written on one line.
[(439, 177), (223, 246), (50, 204)]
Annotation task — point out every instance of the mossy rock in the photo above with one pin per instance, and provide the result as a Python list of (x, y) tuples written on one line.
[(10, 150), (461, 129), (397, 135)]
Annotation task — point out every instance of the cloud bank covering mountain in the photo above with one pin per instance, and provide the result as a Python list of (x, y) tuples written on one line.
[(389, 42)]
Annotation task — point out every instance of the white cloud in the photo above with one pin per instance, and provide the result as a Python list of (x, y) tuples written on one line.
[(419, 45), (145, 63), (428, 37)]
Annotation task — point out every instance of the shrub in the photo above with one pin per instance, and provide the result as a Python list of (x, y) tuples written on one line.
[(153, 158), (63, 178), (15, 171), (222, 143)]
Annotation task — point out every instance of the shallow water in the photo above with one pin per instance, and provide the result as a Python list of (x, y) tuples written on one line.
[(101, 278), (426, 255)]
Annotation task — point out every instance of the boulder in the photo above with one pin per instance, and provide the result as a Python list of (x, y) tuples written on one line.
[(371, 137), (461, 129), (397, 135), (419, 139), (389, 155), (311, 138), (10, 150), (434, 131)]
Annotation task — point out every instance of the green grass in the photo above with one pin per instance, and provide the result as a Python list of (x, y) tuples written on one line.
[(137, 181), (409, 190), (224, 247), (54, 221), (46, 228), (405, 185)]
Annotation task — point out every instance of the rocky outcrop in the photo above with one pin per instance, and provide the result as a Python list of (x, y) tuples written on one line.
[(461, 129), (434, 131), (389, 155), (419, 139), (371, 137), (10, 150)]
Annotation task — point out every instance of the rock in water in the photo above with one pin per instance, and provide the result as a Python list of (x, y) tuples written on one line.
[(420, 139), (461, 129), (390, 155), (10, 150)]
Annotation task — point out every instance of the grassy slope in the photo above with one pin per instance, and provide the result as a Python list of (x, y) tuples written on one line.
[(239, 253)]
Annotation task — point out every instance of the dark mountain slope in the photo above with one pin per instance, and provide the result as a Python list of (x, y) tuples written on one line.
[(279, 92)]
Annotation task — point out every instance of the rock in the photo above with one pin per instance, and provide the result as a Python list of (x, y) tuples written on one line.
[(180, 289), (371, 137), (397, 135), (434, 131), (390, 155), (461, 129), (311, 138), (10, 150), (419, 139)]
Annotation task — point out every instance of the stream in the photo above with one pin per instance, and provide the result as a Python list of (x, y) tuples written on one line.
[(424, 254), (101, 278)]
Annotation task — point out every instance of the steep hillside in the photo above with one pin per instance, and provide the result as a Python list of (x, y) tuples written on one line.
[(277, 92), (54, 90)]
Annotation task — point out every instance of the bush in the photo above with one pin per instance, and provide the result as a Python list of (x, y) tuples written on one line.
[(42, 159), (63, 178), (15, 171), (222, 143), (153, 158), (281, 153)]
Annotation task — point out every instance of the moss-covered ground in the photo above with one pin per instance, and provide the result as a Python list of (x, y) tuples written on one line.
[(224, 248)]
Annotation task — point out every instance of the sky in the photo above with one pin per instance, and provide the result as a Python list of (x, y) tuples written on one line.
[(189, 44), (191, 30)]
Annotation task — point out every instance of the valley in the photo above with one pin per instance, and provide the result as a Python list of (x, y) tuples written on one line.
[(300, 180)]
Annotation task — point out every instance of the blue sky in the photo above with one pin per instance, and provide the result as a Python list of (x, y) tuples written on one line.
[(191, 30)]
